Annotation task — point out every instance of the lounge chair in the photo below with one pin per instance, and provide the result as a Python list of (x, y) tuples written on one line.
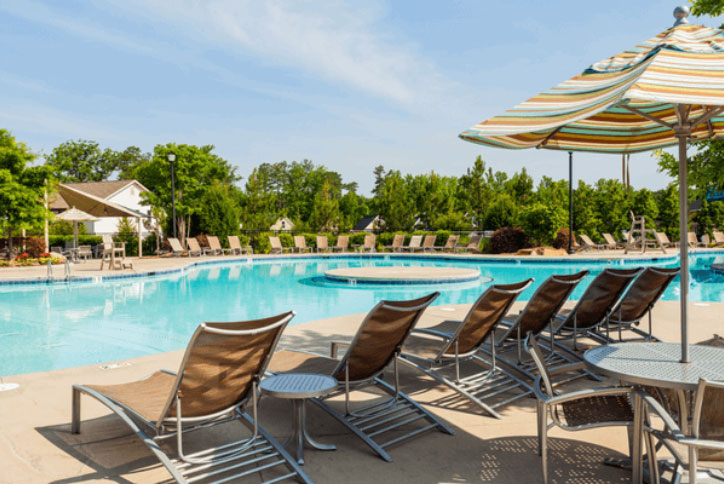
[(194, 247), (448, 344), (300, 244), (342, 244), (276, 246), (215, 246), (718, 238), (473, 245), (176, 248), (398, 242), (113, 252), (693, 241), (236, 248), (428, 245), (376, 344), (638, 301), (663, 240), (578, 410), (219, 375), (85, 252), (323, 244), (611, 242), (588, 244), (369, 243), (595, 306), (450, 244), (705, 240), (415, 243)]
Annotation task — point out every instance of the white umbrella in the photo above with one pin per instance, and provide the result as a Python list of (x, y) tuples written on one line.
[(74, 215)]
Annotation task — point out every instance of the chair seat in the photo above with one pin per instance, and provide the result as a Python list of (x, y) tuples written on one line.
[(288, 361), (146, 397), (597, 409), (426, 346)]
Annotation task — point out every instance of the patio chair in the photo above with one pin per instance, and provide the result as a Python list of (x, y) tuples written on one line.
[(85, 252), (236, 248), (215, 246), (588, 244), (300, 244), (445, 345), (596, 304), (415, 243), (398, 241), (218, 377), (473, 245), (176, 248), (378, 343), (693, 241), (428, 245), (450, 244), (638, 301), (718, 238), (342, 243), (323, 244), (194, 247), (705, 240), (578, 410), (611, 242), (113, 252), (276, 246), (369, 243), (663, 240)]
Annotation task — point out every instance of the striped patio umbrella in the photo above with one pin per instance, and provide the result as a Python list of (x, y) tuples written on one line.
[(667, 91)]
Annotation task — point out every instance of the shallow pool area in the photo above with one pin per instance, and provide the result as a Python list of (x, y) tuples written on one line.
[(60, 325)]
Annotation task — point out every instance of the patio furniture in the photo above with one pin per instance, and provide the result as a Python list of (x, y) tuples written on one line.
[(113, 252), (398, 242), (428, 245), (705, 240), (588, 244), (369, 244), (574, 411), (300, 244), (378, 343), (215, 246), (298, 387), (276, 246), (658, 365), (342, 243), (611, 242), (85, 252), (450, 244), (473, 245), (663, 240), (693, 241), (218, 377), (448, 344), (415, 243), (323, 244), (718, 238), (176, 248), (194, 247), (595, 306), (236, 248), (638, 301)]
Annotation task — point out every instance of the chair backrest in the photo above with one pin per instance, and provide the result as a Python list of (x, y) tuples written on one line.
[(609, 239), (475, 241), (531, 346), (107, 239), (546, 302), (173, 242), (429, 242), (380, 337), (661, 238), (370, 241), (691, 238), (708, 421), (643, 293), (705, 240), (398, 241), (342, 242), (322, 242), (600, 297), (483, 316), (193, 244), (221, 363), (275, 242), (213, 241), (718, 237), (452, 241), (234, 242), (586, 240), (415, 242), (300, 242)]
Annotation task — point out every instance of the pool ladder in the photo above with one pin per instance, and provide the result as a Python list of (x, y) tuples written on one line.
[(50, 270), (68, 276)]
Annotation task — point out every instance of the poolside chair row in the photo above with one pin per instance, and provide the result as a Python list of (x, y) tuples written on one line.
[(660, 240), (300, 244), (418, 244), (214, 248)]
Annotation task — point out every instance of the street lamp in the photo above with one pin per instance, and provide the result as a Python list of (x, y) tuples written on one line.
[(171, 157), (570, 203)]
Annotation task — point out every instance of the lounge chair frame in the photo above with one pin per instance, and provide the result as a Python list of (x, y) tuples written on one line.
[(472, 245), (236, 248), (479, 386), (260, 451), (342, 243), (428, 244), (194, 247), (215, 246), (414, 244), (323, 244), (276, 245), (300, 244), (176, 248), (398, 242)]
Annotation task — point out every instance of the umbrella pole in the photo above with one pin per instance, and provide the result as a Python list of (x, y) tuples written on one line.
[(682, 132)]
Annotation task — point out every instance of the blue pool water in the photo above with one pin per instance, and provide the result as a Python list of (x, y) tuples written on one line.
[(44, 327)]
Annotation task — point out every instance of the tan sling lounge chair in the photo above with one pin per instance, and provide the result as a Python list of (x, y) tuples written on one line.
[(451, 244), (194, 247), (415, 243), (611, 242), (215, 246), (473, 245), (276, 246), (693, 241), (236, 248), (342, 244), (718, 238), (444, 346), (300, 244), (663, 241), (323, 244), (377, 344), (398, 242), (176, 248), (428, 245), (219, 375), (369, 243), (587, 243)]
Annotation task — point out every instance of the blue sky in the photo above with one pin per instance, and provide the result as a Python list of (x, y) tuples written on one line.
[(346, 84)]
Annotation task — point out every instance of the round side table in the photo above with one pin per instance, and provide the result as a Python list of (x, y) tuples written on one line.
[(298, 387)]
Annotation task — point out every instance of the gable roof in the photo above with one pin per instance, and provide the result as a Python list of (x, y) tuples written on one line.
[(103, 189), (364, 222)]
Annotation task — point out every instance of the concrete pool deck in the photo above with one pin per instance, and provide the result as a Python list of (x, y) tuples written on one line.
[(36, 445)]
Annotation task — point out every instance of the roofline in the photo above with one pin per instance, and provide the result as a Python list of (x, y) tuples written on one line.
[(126, 186)]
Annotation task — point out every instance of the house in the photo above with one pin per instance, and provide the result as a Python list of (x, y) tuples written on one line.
[(369, 223), (282, 224), (124, 194)]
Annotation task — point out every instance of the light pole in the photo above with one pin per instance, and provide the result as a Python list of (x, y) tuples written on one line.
[(570, 203), (171, 156)]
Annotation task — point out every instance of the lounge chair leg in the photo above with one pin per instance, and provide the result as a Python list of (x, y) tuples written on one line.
[(75, 421), (692, 465), (544, 448)]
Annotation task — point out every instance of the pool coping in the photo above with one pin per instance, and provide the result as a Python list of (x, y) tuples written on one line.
[(534, 260)]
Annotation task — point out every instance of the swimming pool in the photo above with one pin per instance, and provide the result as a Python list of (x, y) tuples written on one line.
[(51, 326)]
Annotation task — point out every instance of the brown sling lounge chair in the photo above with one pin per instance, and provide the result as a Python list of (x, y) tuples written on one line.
[(377, 344), (428, 245), (176, 248), (449, 343), (596, 304), (219, 375), (369, 243), (638, 302)]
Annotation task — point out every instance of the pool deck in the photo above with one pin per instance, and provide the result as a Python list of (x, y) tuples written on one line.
[(36, 445)]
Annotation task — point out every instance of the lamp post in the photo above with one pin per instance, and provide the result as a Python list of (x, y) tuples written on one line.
[(171, 156), (570, 202)]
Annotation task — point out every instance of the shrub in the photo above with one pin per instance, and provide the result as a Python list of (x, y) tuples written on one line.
[(149, 244), (503, 212), (260, 242), (508, 239), (541, 221), (35, 246), (59, 240), (561, 240)]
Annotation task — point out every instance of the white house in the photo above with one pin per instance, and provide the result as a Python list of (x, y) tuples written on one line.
[(283, 224)]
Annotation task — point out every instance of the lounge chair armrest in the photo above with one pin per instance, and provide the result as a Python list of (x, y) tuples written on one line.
[(591, 392), (654, 406), (433, 332), (709, 444), (334, 345)]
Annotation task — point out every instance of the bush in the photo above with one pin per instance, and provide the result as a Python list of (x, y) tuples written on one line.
[(503, 212), (541, 221), (260, 242), (508, 240), (60, 240), (561, 240), (35, 246), (149, 244)]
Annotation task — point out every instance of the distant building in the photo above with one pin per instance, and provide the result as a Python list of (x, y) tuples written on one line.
[(369, 223), (283, 224), (123, 193)]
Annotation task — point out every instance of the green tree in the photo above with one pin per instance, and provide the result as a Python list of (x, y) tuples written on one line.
[(476, 192), (82, 161), (712, 8), (541, 222), (395, 205), (220, 211), (644, 203), (259, 204), (585, 217), (325, 212), (613, 206), (668, 202), (503, 212)]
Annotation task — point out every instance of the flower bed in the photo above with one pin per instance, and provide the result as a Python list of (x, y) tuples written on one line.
[(24, 259)]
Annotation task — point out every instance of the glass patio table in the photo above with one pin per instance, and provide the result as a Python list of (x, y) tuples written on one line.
[(656, 365)]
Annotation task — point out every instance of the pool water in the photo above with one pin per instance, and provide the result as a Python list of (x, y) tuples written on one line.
[(45, 327)]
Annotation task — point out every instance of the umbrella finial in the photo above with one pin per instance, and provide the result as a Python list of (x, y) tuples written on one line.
[(680, 14)]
